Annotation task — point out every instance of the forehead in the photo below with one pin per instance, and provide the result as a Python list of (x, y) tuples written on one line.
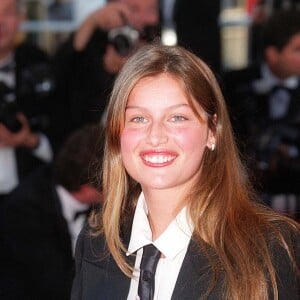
[(162, 89), (142, 4), (8, 4), (158, 84), (294, 42)]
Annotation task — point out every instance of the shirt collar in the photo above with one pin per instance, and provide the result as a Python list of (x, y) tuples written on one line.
[(269, 80), (69, 204), (174, 239), (7, 66)]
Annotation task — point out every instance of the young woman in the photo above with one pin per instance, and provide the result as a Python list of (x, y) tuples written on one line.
[(173, 178)]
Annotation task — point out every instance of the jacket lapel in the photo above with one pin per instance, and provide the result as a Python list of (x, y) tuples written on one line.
[(118, 283), (195, 276), (62, 230)]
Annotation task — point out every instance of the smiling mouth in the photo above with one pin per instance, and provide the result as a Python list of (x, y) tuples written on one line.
[(158, 159)]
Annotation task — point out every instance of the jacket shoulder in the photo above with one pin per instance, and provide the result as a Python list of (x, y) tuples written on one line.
[(97, 274), (27, 53)]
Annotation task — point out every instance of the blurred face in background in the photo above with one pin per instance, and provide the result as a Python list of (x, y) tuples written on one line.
[(144, 12), (9, 23), (289, 57), (286, 61)]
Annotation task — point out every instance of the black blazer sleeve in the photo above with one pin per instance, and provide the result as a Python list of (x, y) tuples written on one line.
[(77, 282), (287, 273)]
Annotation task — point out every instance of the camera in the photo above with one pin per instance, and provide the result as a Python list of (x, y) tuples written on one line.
[(8, 109), (36, 84), (125, 39)]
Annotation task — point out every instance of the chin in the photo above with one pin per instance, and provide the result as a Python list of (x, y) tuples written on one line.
[(160, 185)]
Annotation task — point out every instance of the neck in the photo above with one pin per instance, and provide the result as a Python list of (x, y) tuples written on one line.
[(279, 73), (163, 207)]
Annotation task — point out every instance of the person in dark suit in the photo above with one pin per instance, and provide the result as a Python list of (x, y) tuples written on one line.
[(86, 65), (42, 218), (177, 198), (264, 101), (26, 85)]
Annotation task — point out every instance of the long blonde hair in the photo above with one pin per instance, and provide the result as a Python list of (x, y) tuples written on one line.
[(223, 208)]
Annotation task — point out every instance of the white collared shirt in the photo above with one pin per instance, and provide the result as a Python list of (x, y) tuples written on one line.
[(172, 243), (279, 102), (268, 80), (69, 208)]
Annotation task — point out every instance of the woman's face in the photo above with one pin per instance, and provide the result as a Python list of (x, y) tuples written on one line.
[(162, 142)]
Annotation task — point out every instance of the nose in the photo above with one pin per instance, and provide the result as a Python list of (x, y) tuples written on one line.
[(157, 134)]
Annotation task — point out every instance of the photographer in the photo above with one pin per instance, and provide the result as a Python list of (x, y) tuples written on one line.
[(87, 63), (25, 86)]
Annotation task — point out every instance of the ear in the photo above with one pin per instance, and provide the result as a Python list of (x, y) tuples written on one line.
[(211, 140), (211, 137), (271, 54), (87, 194)]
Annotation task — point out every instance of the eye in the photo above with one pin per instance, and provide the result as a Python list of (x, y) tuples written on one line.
[(138, 119), (178, 118)]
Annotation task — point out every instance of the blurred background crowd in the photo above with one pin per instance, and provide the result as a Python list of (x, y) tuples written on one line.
[(58, 62)]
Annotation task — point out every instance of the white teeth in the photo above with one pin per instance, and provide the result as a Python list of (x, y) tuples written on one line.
[(158, 159)]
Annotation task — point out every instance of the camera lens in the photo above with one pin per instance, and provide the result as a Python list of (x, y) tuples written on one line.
[(122, 44), (123, 39)]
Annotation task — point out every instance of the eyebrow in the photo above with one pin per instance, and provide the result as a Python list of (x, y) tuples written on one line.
[(170, 107)]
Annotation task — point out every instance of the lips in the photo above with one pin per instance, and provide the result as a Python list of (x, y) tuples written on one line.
[(158, 159)]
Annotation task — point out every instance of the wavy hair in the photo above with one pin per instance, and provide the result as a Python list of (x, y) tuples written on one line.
[(227, 217)]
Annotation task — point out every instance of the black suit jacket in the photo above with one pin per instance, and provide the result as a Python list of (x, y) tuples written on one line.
[(249, 106), (37, 260), (258, 135), (99, 278)]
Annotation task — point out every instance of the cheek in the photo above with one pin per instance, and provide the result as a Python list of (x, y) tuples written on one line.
[(192, 140), (11, 27), (292, 57), (297, 59), (151, 18), (12, 22), (129, 140)]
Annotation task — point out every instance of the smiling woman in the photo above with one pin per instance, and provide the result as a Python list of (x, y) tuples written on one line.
[(161, 137), (173, 180)]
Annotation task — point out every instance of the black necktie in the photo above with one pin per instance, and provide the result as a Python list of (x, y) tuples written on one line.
[(279, 87), (148, 266), (279, 102)]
